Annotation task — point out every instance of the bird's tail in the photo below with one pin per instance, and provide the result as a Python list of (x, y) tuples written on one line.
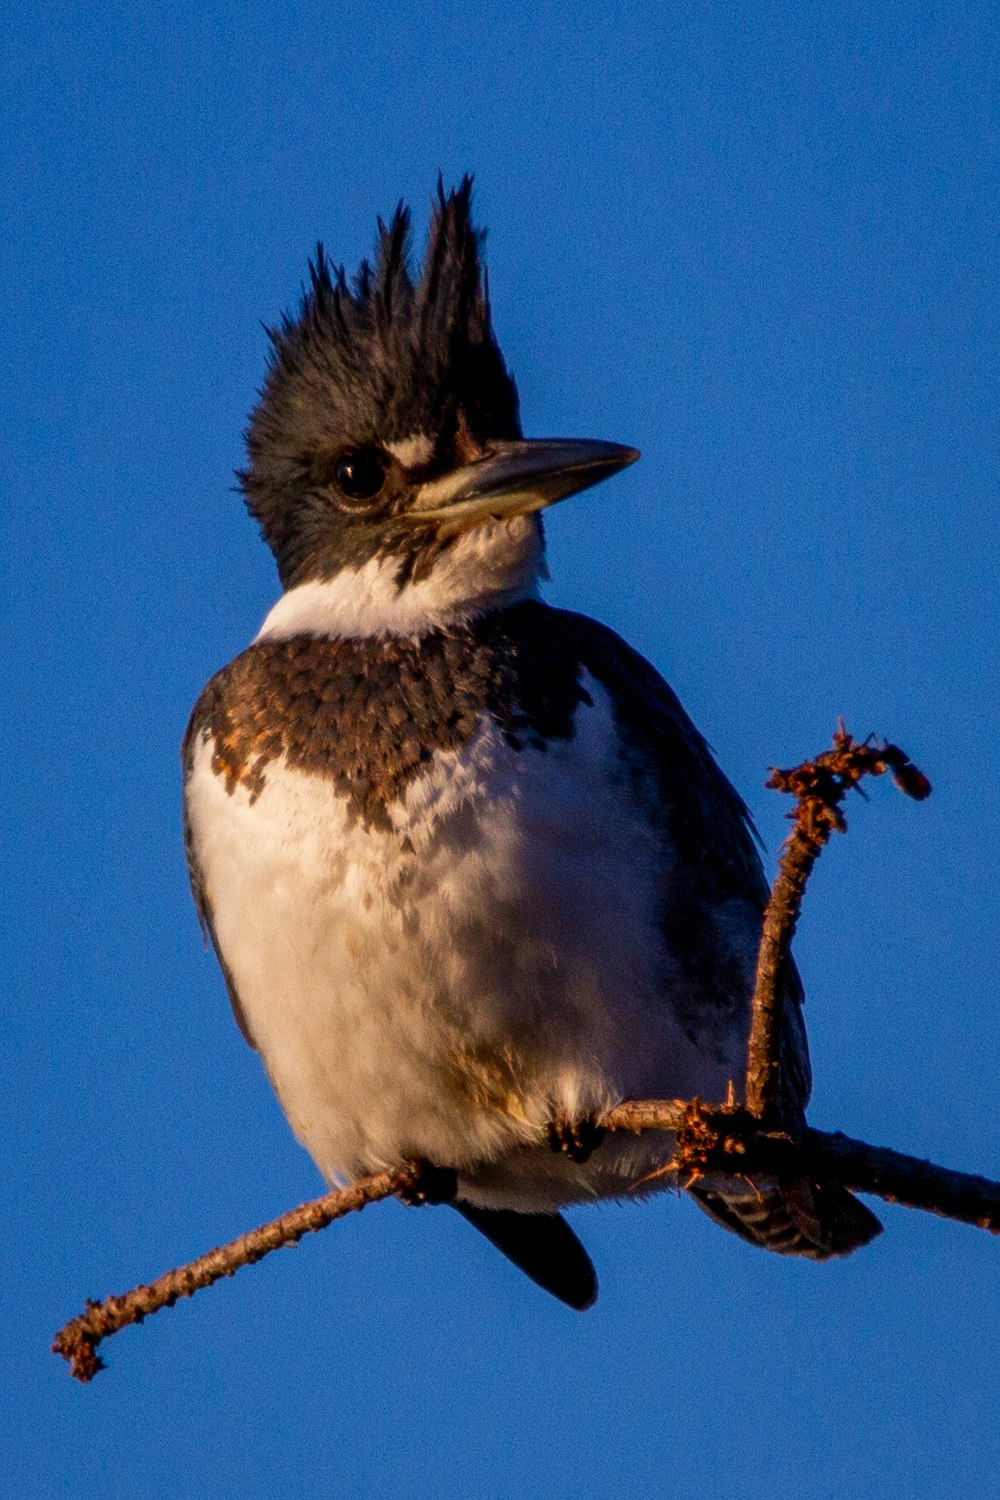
[(793, 1217), (542, 1246)]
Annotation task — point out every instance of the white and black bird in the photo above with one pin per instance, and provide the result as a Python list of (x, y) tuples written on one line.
[(472, 875)]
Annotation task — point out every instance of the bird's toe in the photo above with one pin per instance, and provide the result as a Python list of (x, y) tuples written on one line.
[(577, 1139), (431, 1185)]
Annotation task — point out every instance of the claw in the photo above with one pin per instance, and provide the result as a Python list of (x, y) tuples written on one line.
[(578, 1139), (433, 1185)]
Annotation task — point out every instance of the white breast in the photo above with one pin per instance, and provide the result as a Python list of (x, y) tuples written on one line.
[(445, 988)]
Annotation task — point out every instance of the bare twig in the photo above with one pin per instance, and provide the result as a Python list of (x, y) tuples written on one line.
[(77, 1341), (819, 787), (907, 1180), (722, 1137), (719, 1138), (727, 1139)]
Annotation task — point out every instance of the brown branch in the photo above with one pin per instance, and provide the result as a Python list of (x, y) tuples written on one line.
[(77, 1341), (720, 1138), (906, 1180), (723, 1137), (819, 787)]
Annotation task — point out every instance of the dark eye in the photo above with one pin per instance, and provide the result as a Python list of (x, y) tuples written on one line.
[(360, 474)]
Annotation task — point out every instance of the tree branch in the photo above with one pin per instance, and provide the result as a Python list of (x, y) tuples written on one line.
[(906, 1180), (819, 787), (723, 1138), (77, 1341)]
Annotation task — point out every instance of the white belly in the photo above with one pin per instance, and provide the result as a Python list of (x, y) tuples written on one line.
[(444, 988)]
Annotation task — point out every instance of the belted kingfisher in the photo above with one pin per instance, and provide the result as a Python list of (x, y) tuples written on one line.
[(472, 875)]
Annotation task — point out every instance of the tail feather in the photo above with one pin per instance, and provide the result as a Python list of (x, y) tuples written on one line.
[(542, 1246), (796, 1217)]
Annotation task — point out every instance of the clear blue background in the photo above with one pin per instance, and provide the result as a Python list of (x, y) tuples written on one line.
[(755, 240)]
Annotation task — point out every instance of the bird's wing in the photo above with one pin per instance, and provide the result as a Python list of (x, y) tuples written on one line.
[(718, 870), (716, 893), (198, 724)]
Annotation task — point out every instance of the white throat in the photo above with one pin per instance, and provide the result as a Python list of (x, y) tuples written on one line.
[(486, 568)]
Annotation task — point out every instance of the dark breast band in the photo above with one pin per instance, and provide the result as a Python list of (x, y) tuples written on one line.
[(369, 714)]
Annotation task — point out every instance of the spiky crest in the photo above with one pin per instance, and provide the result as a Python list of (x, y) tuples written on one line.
[(380, 357)]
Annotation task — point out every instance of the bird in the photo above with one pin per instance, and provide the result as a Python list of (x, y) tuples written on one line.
[(472, 875)]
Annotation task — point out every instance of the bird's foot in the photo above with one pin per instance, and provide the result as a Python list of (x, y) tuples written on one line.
[(431, 1185), (577, 1139)]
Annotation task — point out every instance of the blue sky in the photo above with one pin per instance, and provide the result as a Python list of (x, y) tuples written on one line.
[(759, 243)]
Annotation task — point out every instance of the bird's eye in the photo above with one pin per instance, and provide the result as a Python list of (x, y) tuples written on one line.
[(360, 474)]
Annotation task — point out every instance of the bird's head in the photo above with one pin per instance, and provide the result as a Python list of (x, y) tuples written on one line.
[(387, 469)]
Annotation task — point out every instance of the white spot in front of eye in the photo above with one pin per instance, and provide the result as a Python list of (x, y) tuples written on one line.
[(413, 450)]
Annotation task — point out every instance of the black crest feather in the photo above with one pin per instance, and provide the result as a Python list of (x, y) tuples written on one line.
[(387, 354), (372, 359)]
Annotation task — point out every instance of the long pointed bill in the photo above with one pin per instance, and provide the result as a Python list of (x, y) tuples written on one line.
[(516, 477)]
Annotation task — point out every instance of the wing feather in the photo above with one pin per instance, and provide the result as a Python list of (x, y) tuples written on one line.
[(714, 903), (198, 726)]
